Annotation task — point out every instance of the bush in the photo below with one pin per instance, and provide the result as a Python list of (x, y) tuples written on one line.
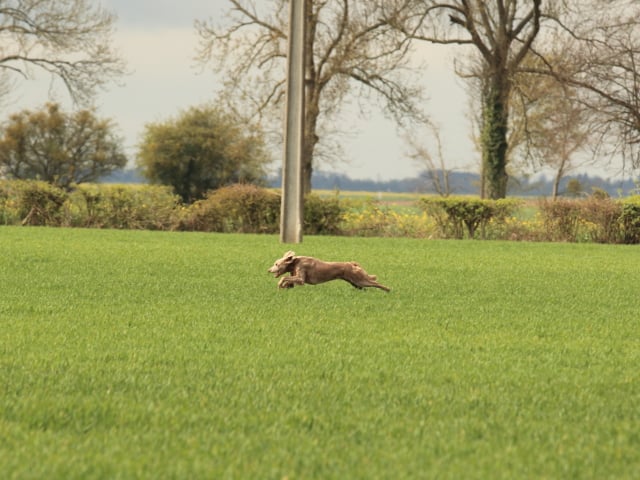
[(455, 215), (8, 210), (561, 219), (31, 202), (250, 209), (630, 220), (597, 218), (322, 216), (237, 208), (601, 215), (147, 207)]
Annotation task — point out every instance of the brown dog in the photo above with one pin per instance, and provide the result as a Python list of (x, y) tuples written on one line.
[(313, 271)]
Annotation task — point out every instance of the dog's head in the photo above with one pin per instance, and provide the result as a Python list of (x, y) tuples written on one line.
[(283, 265)]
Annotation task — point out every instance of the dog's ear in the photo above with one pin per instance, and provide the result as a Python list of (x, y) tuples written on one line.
[(288, 256)]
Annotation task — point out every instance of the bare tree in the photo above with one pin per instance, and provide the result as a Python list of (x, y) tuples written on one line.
[(550, 127), (557, 129), (592, 46), (350, 49), (600, 52), (427, 151), (68, 39), (502, 33)]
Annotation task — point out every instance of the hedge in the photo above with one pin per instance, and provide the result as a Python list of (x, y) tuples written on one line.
[(251, 209), (240, 208)]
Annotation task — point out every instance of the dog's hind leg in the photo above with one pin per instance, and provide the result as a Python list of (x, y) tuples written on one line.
[(371, 283), (359, 278), (379, 285), (366, 282), (353, 284)]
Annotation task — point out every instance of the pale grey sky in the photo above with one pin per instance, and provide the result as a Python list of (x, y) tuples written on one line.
[(158, 40)]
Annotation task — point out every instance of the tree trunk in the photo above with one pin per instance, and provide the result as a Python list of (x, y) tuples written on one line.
[(560, 172), (311, 100), (495, 117), (556, 186), (310, 140)]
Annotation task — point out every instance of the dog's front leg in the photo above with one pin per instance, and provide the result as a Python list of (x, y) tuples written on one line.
[(290, 282)]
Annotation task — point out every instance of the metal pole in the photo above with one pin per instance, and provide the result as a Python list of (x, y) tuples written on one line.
[(291, 217)]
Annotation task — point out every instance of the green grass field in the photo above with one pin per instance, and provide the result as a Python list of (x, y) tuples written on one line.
[(172, 355)]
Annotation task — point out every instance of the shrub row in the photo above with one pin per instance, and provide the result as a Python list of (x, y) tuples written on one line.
[(594, 219), (250, 209), (236, 208), (88, 205)]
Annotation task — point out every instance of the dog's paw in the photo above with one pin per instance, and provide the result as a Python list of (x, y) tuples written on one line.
[(285, 283)]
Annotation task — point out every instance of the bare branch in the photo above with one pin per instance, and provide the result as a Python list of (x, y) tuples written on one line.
[(70, 40), (349, 44)]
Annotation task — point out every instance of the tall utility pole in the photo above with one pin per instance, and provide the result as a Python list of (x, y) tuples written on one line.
[(291, 217)]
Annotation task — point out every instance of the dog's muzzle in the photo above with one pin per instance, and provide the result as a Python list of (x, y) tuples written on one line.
[(275, 272)]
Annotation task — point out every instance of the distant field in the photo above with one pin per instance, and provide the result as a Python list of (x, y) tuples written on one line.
[(406, 202), (380, 196), (132, 354), (391, 199)]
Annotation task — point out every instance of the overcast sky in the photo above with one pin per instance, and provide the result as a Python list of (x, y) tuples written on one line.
[(158, 41)]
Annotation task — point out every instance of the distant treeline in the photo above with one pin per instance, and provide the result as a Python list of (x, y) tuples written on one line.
[(461, 183), (465, 183)]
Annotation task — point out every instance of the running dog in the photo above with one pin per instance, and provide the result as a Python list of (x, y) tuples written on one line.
[(313, 271)]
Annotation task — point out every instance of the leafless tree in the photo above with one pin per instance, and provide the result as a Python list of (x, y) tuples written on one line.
[(592, 46), (68, 39), (426, 150), (600, 53), (557, 129), (350, 49), (501, 32)]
